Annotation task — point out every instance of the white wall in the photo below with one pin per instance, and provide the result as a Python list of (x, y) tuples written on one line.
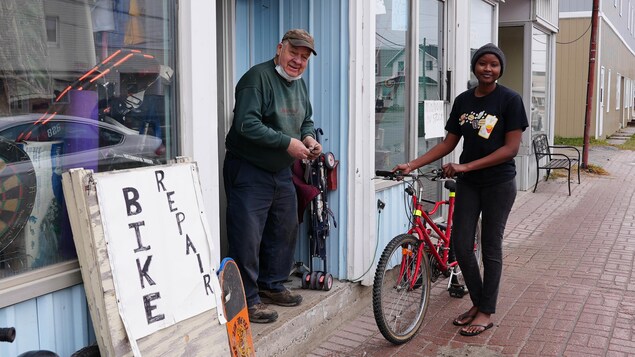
[(515, 11), (198, 105)]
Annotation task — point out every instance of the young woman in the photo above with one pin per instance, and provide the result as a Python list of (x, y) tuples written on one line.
[(490, 118)]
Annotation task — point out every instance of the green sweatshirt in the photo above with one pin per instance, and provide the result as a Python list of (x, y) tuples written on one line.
[(269, 111)]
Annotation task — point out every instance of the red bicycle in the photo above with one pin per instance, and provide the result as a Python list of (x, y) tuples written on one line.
[(414, 260)]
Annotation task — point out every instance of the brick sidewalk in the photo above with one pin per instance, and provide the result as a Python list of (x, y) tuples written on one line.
[(567, 290)]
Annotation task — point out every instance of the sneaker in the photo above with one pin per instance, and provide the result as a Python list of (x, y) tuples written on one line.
[(282, 298), (260, 314)]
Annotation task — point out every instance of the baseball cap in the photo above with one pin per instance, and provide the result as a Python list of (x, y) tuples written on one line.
[(299, 37)]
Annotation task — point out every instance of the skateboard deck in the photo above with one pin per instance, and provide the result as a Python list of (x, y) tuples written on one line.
[(235, 307)]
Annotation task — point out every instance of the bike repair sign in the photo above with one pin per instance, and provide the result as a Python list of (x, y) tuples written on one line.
[(159, 246)]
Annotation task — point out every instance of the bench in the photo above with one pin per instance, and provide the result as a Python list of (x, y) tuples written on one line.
[(554, 160)]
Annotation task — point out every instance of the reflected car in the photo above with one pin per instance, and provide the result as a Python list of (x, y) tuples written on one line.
[(35, 149), (33, 143), (101, 145)]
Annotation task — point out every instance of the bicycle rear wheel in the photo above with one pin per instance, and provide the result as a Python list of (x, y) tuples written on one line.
[(399, 301)]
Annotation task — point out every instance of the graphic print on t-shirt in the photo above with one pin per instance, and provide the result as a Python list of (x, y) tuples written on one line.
[(482, 122)]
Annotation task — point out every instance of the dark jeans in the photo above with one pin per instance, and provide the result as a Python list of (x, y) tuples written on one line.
[(494, 202), (262, 224)]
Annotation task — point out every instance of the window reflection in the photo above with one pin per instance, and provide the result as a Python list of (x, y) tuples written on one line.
[(538, 81), (430, 80), (481, 30), (391, 122), (390, 94), (83, 83), (430, 65)]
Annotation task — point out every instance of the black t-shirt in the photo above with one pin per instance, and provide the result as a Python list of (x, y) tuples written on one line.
[(483, 123)]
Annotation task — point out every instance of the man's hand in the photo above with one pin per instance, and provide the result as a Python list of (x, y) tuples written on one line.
[(315, 149), (298, 150)]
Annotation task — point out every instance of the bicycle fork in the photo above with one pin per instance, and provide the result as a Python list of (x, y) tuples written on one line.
[(409, 270)]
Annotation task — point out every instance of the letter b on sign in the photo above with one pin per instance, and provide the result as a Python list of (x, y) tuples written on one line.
[(131, 196)]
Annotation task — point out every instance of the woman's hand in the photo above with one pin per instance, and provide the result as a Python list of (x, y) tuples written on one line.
[(403, 168), (452, 169)]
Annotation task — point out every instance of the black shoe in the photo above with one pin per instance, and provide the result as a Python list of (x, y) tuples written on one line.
[(282, 298), (261, 314)]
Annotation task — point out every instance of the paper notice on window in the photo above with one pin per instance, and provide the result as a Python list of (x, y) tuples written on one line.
[(434, 119)]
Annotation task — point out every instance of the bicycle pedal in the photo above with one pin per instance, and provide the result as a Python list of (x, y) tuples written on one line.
[(457, 290)]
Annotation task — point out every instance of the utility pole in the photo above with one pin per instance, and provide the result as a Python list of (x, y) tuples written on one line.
[(590, 82)]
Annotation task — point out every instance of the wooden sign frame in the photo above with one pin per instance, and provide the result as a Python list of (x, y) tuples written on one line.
[(201, 335)]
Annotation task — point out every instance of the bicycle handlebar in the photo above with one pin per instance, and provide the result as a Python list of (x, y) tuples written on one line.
[(433, 174), (7, 334), (389, 174)]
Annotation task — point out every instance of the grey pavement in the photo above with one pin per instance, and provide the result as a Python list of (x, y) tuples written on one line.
[(568, 287)]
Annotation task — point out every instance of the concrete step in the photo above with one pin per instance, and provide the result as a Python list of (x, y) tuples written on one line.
[(299, 328), (621, 136)]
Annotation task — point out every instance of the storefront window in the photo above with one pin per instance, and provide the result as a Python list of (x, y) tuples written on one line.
[(86, 84), (481, 29), (430, 81), (430, 66), (538, 81), (390, 80), (392, 125)]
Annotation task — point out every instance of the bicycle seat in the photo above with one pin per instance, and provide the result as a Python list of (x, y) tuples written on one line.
[(450, 185)]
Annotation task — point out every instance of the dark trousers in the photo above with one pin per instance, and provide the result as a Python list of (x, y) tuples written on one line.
[(494, 202), (262, 224)]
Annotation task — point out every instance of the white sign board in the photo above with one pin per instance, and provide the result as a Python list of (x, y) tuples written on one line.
[(434, 119), (158, 244)]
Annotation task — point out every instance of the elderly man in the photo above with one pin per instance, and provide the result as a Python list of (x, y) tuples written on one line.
[(272, 127)]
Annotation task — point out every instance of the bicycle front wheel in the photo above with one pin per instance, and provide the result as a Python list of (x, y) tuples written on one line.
[(400, 295)]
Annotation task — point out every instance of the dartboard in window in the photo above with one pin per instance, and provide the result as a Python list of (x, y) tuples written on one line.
[(17, 190)]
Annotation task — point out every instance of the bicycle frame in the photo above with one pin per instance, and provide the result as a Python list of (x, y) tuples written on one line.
[(421, 220)]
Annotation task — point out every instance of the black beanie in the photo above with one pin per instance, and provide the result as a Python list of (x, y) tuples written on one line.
[(489, 48)]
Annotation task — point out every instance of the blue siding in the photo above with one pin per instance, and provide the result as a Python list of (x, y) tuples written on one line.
[(329, 95), (57, 322), (393, 219), (242, 39), (262, 24)]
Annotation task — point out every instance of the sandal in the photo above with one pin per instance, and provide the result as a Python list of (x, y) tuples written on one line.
[(478, 331), (459, 321)]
